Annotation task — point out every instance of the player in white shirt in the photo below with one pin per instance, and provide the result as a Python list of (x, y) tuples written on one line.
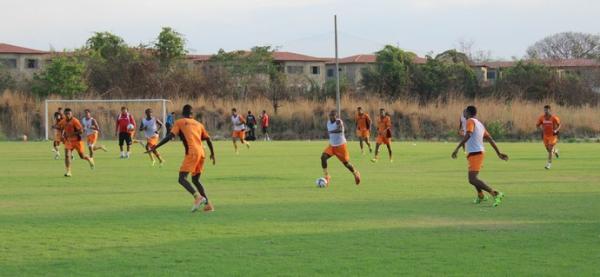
[(475, 133), (151, 126), (90, 131), (337, 147), (239, 130)]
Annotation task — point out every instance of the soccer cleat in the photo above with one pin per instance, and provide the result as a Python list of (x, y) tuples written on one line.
[(248, 145), (548, 166), (374, 160), (92, 163), (198, 201), (391, 160), (556, 153), (208, 207), (56, 156), (478, 200), (68, 174), (127, 155), (357, 177), (498, 199)]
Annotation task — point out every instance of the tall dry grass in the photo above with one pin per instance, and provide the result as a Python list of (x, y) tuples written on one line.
[(304, 119)]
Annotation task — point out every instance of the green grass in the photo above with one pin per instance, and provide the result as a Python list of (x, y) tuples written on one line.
[(412, 217)]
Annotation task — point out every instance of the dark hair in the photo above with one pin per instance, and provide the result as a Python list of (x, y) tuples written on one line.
[(123, 108), (234, 110), (547, 107), (264, 111), (59, 108), (148, 110), (86, 111), (359, 108), (67, 110), (57, 114), (249, 112), (472, 110), (172, 112), (187, 110)]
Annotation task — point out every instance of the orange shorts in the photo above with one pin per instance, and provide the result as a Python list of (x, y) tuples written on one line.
[(341, 152), (192, 163), (152, 141), (92, 139), (381, 139), (550, 141), (239, 134), (58, 137), (76, 145), (363, 134), (475, 161)]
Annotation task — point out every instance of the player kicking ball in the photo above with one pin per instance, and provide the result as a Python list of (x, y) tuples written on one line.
[(549, 124), (337, 147), (192, 133), (151, 126), (72, 130), (473, 139)]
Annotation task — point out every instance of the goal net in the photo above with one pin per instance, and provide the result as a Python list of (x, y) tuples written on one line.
[(105, 112)]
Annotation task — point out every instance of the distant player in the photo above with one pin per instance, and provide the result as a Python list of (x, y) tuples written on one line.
[(384, 134), (123, 132), (91, 129), (363, 128), (473, 139), (251, 123), (549, 125), (239, 130), (151, 126), (337, 147), (58, 117), (72, 130), (264, 123), (192, 133), (170, 121)]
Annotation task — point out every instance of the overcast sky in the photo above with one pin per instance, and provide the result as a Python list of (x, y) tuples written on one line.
[(505, 27)]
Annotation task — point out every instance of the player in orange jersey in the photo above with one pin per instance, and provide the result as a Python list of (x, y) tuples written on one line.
[(58, 117), (363, 128), (91, 130), (192, 133), (384, 134), (239, 130), (549, 125), (72, 130)]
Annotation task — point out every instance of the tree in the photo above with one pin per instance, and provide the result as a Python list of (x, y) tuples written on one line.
[(453, 56), (528, 80), (7, 81), (567, 45), (391, 74), (170, 46), (106, 45), (63, 76)]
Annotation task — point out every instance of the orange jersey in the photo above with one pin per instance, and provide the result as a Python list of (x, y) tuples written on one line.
[(71, 128), (548, 124), (363, 122), (383, 124), (192, 133)]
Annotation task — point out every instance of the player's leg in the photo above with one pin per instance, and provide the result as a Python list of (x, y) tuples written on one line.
[(550, 151), (243, 140), (368, 143), (129, 141), (376, 158), (186, 184), (481, 185), (121, 142), (148, 148), (67, 162), (81, 151), (360, 142), (235, 147), (56, 150), (389, 148), (324, 157)]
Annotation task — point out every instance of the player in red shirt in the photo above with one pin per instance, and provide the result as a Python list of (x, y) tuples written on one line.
[(123, 132), (264, 123)]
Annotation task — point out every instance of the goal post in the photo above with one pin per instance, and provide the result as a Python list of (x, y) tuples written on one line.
[(112, 104)]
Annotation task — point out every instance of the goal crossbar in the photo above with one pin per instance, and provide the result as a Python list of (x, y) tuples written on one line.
[(48, 101)]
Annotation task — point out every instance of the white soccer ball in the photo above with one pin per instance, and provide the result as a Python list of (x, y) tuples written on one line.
[(130, 127), (321, 182)]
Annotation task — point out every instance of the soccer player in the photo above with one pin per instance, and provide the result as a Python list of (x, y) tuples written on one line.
[(239, 130), (151, 126), (384, 134), (170, 121), (192, 133), (337, 147), (58, 117), (549, 125), (72, 130), (251, 123), (473, 139), (363, 128), (91, 129), (264, 123), (125, 135)]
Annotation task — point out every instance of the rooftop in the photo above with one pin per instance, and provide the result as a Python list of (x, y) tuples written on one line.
[(6, 48)]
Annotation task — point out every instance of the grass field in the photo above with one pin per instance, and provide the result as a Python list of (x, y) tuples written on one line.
[(413, 216)]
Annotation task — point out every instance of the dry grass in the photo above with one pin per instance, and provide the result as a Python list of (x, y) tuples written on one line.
[(21, 114)]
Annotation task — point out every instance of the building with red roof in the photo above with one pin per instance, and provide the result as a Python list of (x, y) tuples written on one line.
[(22, 60)]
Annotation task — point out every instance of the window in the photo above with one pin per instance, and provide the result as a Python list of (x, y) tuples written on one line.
[(491, 75), (9, 63), (32, 63), (330, 72), (295, 69), (315, 70)]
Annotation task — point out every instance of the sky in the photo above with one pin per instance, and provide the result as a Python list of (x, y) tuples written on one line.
[(504, 27)]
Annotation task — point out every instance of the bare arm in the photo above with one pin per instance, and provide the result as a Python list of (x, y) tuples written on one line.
[(493, 144), (160, 124), (461, 144), (212, 151)]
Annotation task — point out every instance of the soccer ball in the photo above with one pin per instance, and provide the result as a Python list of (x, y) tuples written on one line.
[(321, 182), (130, 127)]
